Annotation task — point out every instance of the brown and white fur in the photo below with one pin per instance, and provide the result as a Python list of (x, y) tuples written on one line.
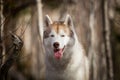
[(65, 56)]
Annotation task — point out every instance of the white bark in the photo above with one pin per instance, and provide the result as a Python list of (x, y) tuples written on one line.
[(40, 56), (40, 19)]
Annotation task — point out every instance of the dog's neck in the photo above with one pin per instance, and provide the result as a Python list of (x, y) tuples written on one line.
[(59, 65)]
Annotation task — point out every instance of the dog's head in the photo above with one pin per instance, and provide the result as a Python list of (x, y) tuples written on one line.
[(58, 36)]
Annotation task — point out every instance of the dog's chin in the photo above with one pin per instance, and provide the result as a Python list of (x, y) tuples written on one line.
[(58, 53)]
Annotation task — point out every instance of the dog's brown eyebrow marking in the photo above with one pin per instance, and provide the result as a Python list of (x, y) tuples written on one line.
[(59, 25)]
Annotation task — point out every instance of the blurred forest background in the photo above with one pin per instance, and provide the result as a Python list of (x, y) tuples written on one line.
[(97, 23)]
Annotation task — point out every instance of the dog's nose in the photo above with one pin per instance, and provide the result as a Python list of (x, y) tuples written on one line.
[(56, 45)]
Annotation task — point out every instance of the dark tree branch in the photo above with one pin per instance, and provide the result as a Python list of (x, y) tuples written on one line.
[(18, 43)]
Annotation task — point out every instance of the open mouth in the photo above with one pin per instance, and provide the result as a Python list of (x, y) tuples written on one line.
[(58, 53)]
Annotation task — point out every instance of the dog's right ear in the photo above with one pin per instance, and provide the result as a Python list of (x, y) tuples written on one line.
[(47, 21)]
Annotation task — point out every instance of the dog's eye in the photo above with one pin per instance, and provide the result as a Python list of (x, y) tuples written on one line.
[(62, 35), (52, 35)]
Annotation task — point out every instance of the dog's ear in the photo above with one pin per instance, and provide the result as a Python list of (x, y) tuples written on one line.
[(47, 21), (68, 21)]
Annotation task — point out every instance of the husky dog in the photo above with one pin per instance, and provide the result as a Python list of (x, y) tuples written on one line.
[(65, 56)]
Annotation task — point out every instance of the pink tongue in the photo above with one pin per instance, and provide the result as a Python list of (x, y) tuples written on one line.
[(58, 54)]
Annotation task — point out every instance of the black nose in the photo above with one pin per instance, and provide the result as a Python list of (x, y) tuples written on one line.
[(56, 45)]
